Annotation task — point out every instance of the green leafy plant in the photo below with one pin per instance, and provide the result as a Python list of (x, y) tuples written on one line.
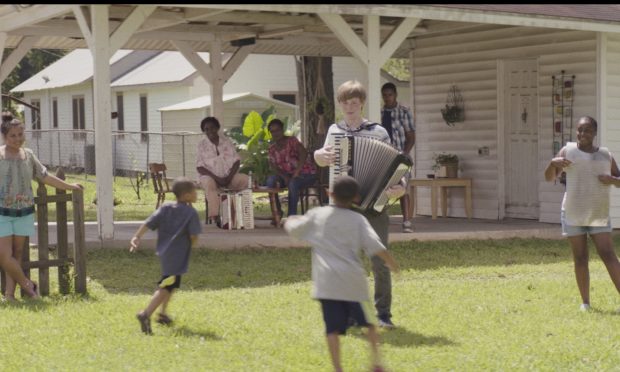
[(255, 152), (443, 159)]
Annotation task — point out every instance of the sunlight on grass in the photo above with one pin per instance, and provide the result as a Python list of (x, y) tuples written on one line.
[(459, 305)]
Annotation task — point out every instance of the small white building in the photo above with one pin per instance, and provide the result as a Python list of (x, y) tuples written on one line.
[(186, 117)]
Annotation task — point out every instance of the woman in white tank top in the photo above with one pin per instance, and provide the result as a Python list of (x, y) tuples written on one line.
[(590, 171)]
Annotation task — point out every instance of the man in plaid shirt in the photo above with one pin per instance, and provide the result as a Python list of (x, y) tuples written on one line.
[(398, 122)]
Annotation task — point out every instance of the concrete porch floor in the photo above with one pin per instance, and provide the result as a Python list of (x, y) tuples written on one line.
[(266, 236)]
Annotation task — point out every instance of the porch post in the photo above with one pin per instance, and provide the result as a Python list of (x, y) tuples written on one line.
[(370, 51), (102, 114), (217, 86), (3, 37), (373, 67), (213, 72)]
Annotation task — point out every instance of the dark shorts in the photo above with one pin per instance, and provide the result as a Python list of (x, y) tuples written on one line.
[(336, 315), (169, 282)]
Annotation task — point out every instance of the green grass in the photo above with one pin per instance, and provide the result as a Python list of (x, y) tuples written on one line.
[(131, 208), (460, 305)]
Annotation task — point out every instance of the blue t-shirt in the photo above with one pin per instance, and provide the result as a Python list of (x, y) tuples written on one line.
[(175, 223)]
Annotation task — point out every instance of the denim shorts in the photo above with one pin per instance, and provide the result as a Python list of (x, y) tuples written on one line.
[(20, 226), (569, 230)]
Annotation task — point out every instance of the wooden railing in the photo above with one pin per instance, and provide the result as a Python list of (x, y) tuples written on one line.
[(63, 260)]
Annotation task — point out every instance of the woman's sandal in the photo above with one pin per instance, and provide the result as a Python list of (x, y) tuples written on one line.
[(164, 319)]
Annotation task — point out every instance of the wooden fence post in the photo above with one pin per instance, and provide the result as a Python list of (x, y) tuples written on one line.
[(79, 241), (43, 239), (62, 238)]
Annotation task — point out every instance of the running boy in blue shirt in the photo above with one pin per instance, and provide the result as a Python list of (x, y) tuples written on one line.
[(337, 234), (178, 227)]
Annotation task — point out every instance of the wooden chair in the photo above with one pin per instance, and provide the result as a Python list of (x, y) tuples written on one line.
[(162, 187), (318, 190), (160, 181)]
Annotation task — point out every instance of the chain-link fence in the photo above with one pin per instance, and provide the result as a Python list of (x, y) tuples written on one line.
[(132, 151)]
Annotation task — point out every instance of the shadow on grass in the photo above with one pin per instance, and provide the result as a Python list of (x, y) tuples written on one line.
[(121, 271), (192, 333), (27, 304), (402, 337)]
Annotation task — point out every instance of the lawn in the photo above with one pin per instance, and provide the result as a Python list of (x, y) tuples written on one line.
[(460, 305), (130, 208)]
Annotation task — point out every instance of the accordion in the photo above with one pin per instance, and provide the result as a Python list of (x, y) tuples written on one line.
[(375, 165)]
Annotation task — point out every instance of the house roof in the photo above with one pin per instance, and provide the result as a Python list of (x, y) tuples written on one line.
[(292, 29), (599, 12), (167, 67), (205, 101), (74, 68)]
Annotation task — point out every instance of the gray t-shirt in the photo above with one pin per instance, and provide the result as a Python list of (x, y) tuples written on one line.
[(337, 236), (175, 223)]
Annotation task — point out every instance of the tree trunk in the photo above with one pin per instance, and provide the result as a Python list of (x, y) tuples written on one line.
[(316, 87)]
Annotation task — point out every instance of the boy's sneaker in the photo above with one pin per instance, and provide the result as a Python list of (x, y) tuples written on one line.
[(407, 227), (584, 307), (385, 322), (164, 319), (145, 323), (378, 369)]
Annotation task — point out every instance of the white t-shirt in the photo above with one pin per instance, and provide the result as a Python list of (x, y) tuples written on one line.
[(586, 200), (337, 236)]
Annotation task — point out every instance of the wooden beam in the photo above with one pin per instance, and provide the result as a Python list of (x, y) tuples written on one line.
[(16, 55), (217, 84), (159, 24), (346, 35), (3, 36), (129, 26), (236, 60), (397, 37), (31, 15), (430, 12), (194, 59), (83, 18), (102, 112), (373, 64)]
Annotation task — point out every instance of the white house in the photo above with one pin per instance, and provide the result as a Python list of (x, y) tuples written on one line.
[(142, 83)]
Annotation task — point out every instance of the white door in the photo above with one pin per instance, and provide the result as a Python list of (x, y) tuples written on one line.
[(521, 138)]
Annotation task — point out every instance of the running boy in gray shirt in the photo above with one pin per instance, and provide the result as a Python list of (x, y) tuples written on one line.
[(178, 227), (337, 234)]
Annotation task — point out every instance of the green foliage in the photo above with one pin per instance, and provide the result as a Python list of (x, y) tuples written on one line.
[(255, 152), (34, 61), (398, 67), (480, 305), (444, 158)]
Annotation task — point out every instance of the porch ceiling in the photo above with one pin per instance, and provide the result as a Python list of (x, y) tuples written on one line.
[(284, 29)]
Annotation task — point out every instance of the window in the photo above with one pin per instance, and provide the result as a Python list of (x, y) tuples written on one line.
[(119, 110), (144, 124), (54, 112), (79, 118), (35, 117), (288, 97)]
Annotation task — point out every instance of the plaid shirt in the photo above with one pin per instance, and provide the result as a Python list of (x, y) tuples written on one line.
[(402, 122)]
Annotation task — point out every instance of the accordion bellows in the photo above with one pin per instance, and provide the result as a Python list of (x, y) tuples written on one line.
[(375, 165)]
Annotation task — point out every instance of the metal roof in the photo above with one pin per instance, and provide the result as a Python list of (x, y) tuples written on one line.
[(74, 68), (166, 67), (205, 101)]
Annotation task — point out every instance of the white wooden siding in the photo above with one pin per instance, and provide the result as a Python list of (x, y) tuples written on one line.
[(610, 123), (349, 68), (469, 61)]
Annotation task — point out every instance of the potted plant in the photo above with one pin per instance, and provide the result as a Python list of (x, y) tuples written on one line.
[(446, 164)]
